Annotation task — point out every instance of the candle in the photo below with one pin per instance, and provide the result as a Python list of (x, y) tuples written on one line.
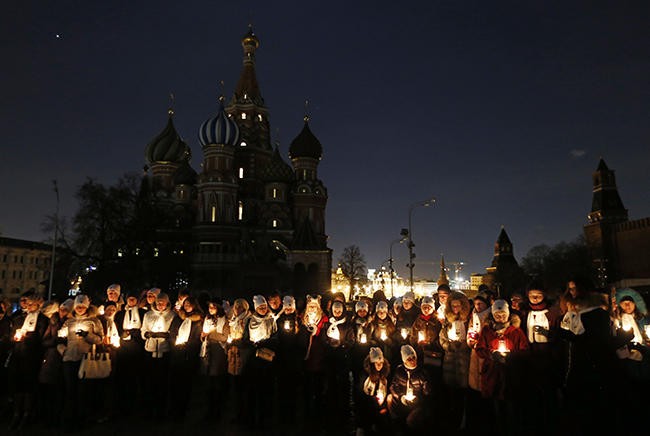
[(405, 333), (452, 333), (115, 341), (208, 326), (647, 331), (158, 325), (287, 324), (380, 396), (409, 394), (229, 340), (180, 341), (383, 335), (421, 336), (363, 339), (20, 334), (502, 348), (63, 332)]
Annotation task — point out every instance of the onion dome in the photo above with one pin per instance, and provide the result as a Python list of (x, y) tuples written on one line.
[(185, 174), (167, 146), (219, 130), (306, 144), (277, 170)]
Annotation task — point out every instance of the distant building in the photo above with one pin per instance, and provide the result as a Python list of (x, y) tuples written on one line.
[(619, 248), (504, 275), (247, 222), (24, 265)]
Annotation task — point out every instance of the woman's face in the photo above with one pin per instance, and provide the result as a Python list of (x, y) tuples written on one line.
[(535, 296), (382, 314), (151, 297), (407, 304), (456, 306), (109, 311), (627, 306), (187, 306), (262, 309), (379, 365), (289, 310), (212, 309), (427, 309), (479, 305), (80, 309), (131, 301), (500, 317), (337, 310), (161, 304)]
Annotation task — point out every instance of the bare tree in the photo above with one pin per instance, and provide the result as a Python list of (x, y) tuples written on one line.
[(353, 265)]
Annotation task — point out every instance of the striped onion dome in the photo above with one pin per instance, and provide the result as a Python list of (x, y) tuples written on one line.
[(219, 129), (167, 146)]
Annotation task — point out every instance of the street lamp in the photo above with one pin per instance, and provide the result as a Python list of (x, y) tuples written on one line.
[(56, 228), (390, 262), (411, 264)]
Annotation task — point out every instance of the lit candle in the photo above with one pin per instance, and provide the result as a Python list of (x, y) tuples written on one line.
[(421, 336), (208, 326), (405, 333), (115, 341), (647, 331), (158, 325), (229, 340), (409, 394), (20, 334), (383, 335), (380, 396), (502, 348), (63, 332), (287, 324), (363, 339), (452, 333)]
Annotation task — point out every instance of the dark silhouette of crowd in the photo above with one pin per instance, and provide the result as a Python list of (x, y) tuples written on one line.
[(445, 363)]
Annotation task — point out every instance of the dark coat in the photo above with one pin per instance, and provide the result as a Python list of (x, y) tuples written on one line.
[(51, 369), (416, 378), (429, 351), (27, 354)]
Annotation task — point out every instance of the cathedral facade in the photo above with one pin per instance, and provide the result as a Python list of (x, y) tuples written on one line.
[(247, 222)]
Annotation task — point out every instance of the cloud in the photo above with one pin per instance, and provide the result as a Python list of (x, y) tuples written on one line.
[(577, 153)]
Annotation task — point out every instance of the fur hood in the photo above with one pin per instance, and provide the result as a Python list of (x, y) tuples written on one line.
[(513, 320), (369, 367), (193, 316), (464, 309)]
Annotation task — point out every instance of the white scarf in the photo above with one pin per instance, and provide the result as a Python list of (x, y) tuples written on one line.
[(111, 332), (333, 330), (537, 318), (184, 331), (478, 319), (456, 331), (131, 318), (237, 325), (29, 325), (571, 321), (261, 327), (379, 391)]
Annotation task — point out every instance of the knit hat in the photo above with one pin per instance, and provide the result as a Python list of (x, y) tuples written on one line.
[(409, 296), (289, 302), (427, 301), (68, 304), (81, 300), (381, 305), (376, 355), (500, 306), (115, 287), (337, 303), (361, 305), (258, 300), (484, 298), (155, 291), (161, 296), (407, 351)]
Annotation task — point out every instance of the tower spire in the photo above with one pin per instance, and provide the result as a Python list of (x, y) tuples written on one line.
[(247, 90), (443, 280)]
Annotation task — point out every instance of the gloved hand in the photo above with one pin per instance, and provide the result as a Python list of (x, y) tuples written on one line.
[(161, 335), (540, 330), (82, 333), (148, 335), (498, 356)]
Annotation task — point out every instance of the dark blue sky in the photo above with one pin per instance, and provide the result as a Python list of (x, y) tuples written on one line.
[(500, 110)]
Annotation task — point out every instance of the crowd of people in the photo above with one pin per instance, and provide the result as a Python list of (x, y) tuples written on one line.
[(529, 364)]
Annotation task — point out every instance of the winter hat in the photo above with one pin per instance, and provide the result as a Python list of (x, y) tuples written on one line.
[(161, 295), (381, 305), (407, 351), (289, 302), (258, 300), (427, 301), (68, 304), (155, 291), (376, 355), (81, 300), (115, 287), (500, 306), (361, 305), (409, 296), (627, 298), (337, 303), (49, 308)]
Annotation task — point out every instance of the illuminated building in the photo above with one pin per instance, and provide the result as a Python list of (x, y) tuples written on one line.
[(23, 265)]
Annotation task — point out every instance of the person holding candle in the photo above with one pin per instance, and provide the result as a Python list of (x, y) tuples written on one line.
[(476, 404), (238, 352), (455, 364), (359, 350), (384, 334), (442, 295), (501, 344), (275, 303), (28, 330), (148, 298), (541, 321), (114, 294), (130, 356), (155, 332), (425, 339), (83, 331), (311, 337), (260, 335), (408, 313), (372, 416), (214, 335), (289, 359), (410, 394)]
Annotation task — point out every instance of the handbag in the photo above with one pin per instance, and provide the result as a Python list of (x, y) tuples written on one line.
[(265, 354), (95, 365)]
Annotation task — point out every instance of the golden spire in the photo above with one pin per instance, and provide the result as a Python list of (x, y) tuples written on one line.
[(443, 280)]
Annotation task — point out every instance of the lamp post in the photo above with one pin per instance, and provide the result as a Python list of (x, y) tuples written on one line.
[(56, 228), (411, 264), (390, 262)]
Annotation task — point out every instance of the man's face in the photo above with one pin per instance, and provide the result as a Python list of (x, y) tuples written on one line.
[(23, 302), (362, 312), (411, 362), (442, 297), (275, 302), (479, 305)]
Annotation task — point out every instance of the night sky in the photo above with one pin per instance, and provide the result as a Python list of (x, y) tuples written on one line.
[(500, 110)]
